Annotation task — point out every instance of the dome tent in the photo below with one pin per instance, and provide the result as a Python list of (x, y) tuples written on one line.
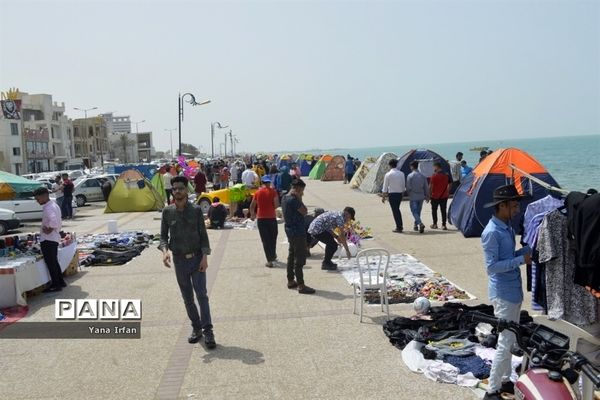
[(373, 181), (362, 172), (335, 169), (467, 210), (317, 171), (133, 192), (422, 155)]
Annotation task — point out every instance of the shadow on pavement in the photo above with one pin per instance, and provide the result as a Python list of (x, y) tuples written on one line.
[(247, 356), (332, 295)]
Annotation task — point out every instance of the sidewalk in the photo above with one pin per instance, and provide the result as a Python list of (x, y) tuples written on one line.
[(272, 341)]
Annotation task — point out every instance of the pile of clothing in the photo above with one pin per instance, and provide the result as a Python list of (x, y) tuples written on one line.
[(113, 249), (446, 347)]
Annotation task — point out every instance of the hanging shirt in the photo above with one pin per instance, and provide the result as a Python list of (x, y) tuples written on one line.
[(543, 205), (502, 261), (566, 300)]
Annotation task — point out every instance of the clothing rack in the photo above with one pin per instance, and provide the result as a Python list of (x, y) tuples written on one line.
[(539, 181)]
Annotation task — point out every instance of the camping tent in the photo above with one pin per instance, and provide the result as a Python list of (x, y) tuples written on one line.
[(362, 171), (317, 171), (158, 184), (335, 169), (373, 181), (13, 185), (426, 167), (305, 168), (133, 192), (476, 189)]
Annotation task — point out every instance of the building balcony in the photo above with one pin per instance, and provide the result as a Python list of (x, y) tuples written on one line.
[(39, 155)]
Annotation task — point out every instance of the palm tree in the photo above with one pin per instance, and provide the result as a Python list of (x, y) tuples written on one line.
[(124, 143)]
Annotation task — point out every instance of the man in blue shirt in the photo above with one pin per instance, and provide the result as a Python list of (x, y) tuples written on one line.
[(505, 287), (349, 169)]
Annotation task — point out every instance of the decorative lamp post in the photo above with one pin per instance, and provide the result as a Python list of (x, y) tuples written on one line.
[(212, 136), (193, 102)]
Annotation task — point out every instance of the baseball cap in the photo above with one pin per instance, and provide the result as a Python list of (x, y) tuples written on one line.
[(266, 179)]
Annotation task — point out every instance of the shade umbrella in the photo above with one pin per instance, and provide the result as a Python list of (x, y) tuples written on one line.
[(11, 185)]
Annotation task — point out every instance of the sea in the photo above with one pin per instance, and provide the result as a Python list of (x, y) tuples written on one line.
[(573, 161)]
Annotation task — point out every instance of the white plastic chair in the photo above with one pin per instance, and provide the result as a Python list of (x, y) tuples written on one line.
[(372, 267)]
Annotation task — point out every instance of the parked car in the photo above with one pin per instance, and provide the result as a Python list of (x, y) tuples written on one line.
[(8, 221), (111, 177), (27, 208), (87, 189)]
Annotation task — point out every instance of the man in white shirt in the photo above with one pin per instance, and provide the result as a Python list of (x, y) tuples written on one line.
[(50, 237), (57, 190), (394, 185), (249, 178), (167, 185)]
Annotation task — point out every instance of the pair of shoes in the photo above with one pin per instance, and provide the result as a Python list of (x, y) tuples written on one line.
[(433, 226), (269, 264), (397, 230), (415, 227), (444, 228), (303, 289), (507, 387), (292, 285), (421, 228), (492, 396), (52, 289), (209, 340), (195, 336)]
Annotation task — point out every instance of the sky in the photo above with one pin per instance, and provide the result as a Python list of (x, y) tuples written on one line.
[(295, 75)]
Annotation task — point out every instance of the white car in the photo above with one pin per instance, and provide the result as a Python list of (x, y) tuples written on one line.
[(87, 190), (27, 208), (8, 221)]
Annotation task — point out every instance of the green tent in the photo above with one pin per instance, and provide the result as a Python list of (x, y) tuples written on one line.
[(158, 184), (12, 186), (133, 192), (318, 170)]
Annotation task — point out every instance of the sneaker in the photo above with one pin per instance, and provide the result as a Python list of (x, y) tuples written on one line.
[(492, 396), (209, 340), (292, 285), (444, 228), (433, 226), (421, 228), (195, 336), (507, 387), (303, 289), (415, 227)]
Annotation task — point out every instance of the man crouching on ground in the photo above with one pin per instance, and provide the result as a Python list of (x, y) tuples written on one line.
[(183, 233)]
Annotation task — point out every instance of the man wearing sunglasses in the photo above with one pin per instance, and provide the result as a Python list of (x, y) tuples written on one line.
[(183, 234)]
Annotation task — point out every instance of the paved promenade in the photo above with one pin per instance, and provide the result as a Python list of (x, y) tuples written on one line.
[(273, 343)]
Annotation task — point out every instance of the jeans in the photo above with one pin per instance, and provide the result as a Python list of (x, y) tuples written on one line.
[(67, 206), (267, 228), (50, 253), (501, 366), (331, 245), (415, 208), (395, 199), (296, 258), (434, 206), (191, 280)]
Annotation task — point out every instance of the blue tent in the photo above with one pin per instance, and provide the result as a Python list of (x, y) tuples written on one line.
[(407, 158), (305, 168), (467, 210)]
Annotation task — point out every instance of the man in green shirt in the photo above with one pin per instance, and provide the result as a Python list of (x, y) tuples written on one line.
[(183, 233)]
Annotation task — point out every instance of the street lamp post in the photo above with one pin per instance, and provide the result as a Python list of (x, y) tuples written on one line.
[(85, 110), (137, 124), (212, 135), (171, 136), (193, 102)]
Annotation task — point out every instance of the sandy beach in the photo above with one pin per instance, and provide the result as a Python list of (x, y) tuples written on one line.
[(273, 343)]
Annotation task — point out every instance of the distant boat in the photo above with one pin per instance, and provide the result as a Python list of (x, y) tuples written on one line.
[(480, 148)]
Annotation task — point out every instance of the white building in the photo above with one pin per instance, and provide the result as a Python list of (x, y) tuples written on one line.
[(120, 124), (41, 140), (131, 147)]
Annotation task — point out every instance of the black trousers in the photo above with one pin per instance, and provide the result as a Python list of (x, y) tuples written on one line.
[(441, 203), (331, 245), (168, 193), (395, 199), (50, 253), (267, 228), (296, 258)]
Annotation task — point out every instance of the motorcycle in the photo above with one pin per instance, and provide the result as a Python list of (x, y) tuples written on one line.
[(549, 369)]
